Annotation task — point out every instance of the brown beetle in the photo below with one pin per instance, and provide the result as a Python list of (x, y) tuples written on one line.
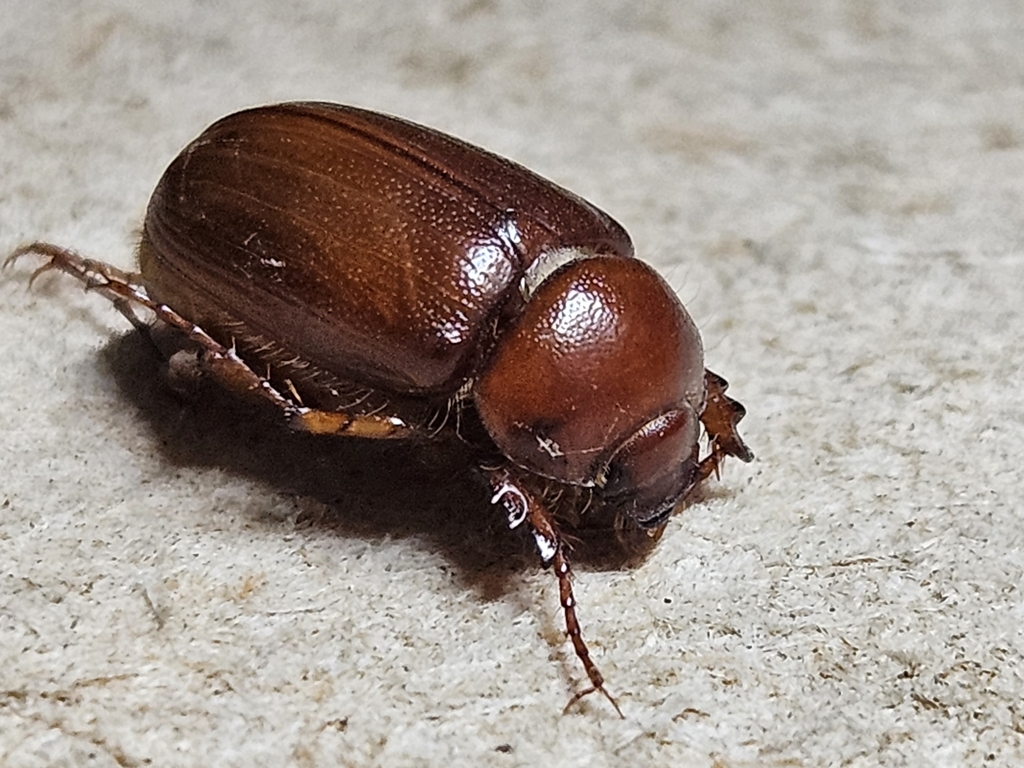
[(371, 277)]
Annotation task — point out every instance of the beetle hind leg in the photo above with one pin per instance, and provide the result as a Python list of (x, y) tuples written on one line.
[(94, 275), (229, 370), (125, 290), (521, 507)]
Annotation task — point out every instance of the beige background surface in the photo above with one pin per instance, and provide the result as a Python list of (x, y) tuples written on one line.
[(835, 189)]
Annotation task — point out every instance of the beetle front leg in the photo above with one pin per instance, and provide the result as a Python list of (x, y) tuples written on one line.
[(720, 417), (126, 291), (522, 506)]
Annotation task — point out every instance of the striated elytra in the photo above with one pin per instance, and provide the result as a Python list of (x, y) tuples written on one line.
[(375, 278)]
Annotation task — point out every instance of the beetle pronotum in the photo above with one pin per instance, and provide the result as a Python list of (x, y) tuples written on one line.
[(365, 275)]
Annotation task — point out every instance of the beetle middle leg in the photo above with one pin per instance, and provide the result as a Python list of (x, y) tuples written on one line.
[(522, 506), (125, 290)]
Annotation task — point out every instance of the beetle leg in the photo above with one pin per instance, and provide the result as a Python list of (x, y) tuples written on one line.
[(95, 275), (125, 291), (720, 417), (521, 506)]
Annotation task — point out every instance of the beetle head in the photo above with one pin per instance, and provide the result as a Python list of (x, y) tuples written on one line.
[(654, 468)]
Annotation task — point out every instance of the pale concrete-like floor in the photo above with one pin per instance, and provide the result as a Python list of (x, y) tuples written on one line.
[(834, 188)]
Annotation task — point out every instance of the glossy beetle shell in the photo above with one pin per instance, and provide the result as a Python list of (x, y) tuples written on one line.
[(379, 249)]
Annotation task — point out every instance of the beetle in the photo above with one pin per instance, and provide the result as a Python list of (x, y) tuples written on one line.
[(370, 277)]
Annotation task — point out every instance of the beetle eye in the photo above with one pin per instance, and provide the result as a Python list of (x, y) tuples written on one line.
[(654, 468)]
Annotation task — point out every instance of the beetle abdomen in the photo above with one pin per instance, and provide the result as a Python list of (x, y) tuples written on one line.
[(380, 248)]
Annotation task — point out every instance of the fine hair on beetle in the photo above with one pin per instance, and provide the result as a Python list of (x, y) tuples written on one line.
[(363, 276)]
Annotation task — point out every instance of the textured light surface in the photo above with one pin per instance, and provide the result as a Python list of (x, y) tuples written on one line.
[(835, 189)]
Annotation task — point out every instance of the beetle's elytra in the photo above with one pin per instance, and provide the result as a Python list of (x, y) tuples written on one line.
[(371, 277)]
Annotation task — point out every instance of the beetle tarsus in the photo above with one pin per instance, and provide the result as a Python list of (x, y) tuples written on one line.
[(586, 692), (519, 503), (95, 276), (572, 628)]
